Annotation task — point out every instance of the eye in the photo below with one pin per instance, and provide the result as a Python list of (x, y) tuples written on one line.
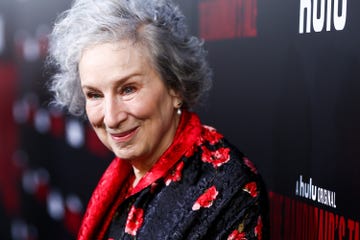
[(126, 90), (93, 95)]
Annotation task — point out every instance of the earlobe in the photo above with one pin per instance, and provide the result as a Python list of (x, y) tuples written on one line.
[(177, 101), (178, 104)]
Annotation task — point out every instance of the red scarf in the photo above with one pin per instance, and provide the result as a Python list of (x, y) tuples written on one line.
[(113, 186)]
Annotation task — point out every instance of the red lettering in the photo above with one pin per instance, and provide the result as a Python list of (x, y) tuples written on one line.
[(276, 213), (293, 219), (287, 215), (356, 235), (305, 220), (298, 219), (331, 226), (342, 228), (227, 19), (351, 224), (321, 225), (289, 219), (313, 223)]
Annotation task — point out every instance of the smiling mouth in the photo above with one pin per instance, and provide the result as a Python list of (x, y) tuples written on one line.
[(123, 136)]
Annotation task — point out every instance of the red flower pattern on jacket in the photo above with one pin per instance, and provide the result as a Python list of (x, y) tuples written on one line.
[(211, 135), (175, 175), (250, 165), (206, 199), (251, 188), (134, 220), (217, 157), (236, 235), (258, 228)]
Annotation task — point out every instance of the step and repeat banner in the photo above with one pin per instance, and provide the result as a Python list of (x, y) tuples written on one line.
[(286, 92)]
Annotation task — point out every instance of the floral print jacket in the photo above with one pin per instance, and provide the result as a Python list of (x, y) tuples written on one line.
[(202, 187)]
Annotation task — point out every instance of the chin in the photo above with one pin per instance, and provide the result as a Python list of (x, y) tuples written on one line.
[(124, 155)]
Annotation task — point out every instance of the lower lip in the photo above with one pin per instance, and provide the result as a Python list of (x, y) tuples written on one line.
[(124, 138)]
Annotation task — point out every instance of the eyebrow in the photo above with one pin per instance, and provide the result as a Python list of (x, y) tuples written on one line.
[(118, 82)]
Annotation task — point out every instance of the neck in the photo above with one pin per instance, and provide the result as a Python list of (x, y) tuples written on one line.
[(140, 170), (142, 166)]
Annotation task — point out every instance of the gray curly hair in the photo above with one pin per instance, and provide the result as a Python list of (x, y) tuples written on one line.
[(156, 24)]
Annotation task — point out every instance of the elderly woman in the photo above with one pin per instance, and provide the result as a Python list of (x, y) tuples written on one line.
[(132, 69)]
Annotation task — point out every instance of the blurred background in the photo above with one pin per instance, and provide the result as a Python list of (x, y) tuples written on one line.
[(49, 161), (286, 92)]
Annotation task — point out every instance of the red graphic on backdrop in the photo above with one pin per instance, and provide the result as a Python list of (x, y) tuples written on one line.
[(9, 196), (227, 19), (294, 219)]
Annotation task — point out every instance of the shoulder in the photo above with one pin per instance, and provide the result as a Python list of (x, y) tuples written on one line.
[(224, 156), (231, 170), (230, 182)]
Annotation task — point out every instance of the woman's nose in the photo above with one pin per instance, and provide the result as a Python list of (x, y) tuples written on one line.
[(114, 112)]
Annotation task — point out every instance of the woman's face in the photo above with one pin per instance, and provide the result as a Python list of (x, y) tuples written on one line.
[(131, 110)]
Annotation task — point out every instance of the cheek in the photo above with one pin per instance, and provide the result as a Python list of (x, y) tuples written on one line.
[(142, 107), (94, 114), (153, 102)]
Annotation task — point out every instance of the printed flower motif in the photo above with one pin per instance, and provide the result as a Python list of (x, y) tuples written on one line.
[(217, 157), (211, 135), (250, 165), (134, 220), (175, 175), (251, 188), (236, 235), (206, 199), (258, 228)]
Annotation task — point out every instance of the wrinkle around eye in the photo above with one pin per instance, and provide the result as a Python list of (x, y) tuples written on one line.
[(93, 96)]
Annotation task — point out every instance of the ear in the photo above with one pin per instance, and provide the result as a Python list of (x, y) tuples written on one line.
[(177, 99)]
